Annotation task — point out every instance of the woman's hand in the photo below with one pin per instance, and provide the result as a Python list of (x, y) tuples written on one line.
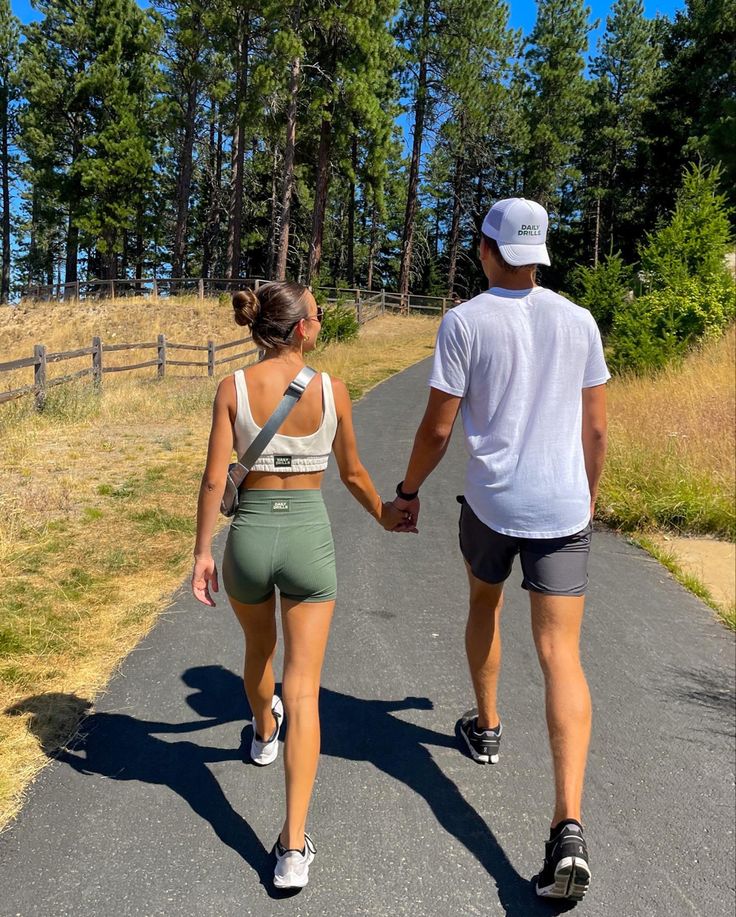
[(204, 578), (396, 520)]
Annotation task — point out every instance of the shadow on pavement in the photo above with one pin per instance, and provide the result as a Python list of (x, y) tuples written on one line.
[(365, 730), (121, 747)]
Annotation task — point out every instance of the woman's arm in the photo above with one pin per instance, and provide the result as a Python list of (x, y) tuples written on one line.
[(352, 473), (219, 451)]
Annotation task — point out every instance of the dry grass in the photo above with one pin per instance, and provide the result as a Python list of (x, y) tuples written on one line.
[(672, 450), (97, 507)]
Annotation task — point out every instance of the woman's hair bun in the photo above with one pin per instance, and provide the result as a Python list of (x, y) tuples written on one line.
[(247, 307)]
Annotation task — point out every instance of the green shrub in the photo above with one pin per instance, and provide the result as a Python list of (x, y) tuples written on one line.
[(693, 243), (603, 289), (653, 329), (339, 323)]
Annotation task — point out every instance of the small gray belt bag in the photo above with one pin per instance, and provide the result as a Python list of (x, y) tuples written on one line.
[(237, 471)]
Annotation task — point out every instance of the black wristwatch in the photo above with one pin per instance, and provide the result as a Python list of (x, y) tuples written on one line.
[(404, 496)]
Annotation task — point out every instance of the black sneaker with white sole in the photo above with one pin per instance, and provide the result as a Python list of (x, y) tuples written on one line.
[(483, 744), (566, 870)]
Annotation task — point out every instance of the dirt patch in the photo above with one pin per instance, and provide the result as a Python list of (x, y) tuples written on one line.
[(711, 561)]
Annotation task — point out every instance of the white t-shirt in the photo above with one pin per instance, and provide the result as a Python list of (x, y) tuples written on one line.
[(519, 359)]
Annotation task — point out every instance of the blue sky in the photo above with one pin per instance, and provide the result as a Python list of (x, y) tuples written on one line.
[(522, 13)]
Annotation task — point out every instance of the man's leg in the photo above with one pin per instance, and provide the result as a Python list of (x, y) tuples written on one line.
[(556, 624), (483, 646)]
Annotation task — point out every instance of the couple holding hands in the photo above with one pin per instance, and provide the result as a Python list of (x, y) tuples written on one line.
[(526, 370)]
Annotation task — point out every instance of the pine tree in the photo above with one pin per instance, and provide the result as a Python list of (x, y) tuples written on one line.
[(53, 121), (188, 58), (115, 167), (9, 36), (694, 104), (557, 97), (624, 70), (353, 54)]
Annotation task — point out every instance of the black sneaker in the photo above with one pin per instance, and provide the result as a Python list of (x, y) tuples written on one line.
[(483, 745), (566, 871)]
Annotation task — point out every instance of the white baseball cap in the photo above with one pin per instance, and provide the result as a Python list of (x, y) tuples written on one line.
[(519, 227)]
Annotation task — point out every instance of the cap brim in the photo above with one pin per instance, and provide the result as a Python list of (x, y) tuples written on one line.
[(518, 255)]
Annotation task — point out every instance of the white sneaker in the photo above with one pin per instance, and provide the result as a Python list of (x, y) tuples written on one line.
[(263, 753), (292, 866)]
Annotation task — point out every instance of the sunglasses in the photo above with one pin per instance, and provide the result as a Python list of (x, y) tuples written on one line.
[(307, 318)]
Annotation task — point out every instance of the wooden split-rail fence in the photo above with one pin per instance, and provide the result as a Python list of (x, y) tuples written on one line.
[(367, 308), (203, 287), (42, 358)]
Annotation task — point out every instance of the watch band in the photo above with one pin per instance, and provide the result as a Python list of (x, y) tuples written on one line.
[(404, 496)]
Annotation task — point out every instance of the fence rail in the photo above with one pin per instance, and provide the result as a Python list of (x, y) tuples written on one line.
[(41, 359), (368, 304), (155, 287)]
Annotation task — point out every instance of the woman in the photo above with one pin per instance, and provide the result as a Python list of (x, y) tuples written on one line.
[(280, 536)]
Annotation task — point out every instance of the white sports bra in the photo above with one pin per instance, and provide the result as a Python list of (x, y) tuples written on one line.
[(286, 453)]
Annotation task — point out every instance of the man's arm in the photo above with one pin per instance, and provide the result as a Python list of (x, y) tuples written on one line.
[(595, 427), (430, 443)]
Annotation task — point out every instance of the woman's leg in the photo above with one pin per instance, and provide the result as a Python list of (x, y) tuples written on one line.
[(306, 629), (259, 626)]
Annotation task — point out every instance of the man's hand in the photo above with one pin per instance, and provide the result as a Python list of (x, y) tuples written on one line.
[(204, 578), (396, 520), (411, 507)]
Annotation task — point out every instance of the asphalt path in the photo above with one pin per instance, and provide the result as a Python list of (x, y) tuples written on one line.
[(154, 809)]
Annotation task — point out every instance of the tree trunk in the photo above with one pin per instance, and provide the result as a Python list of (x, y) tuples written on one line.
[(287, 187), (273, 231), (420, 107), (320, 199), (457, 187), (184, 184), (235, 209), (350, 269), (5, 167), (372, 247), (215, 175)]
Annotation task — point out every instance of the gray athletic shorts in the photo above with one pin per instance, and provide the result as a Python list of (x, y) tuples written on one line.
[(552, 566)]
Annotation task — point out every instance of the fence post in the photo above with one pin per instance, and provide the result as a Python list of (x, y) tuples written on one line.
[(112, 289), (200, 288), (161, 356), (210, 358), (358, 310), (383, 299), (97, 362), (39, 375), (256, 285), (444, 305)]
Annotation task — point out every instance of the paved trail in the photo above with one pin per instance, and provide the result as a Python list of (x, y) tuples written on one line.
[(154, 811)]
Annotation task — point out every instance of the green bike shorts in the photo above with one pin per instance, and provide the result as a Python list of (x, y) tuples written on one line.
[(280, 538)]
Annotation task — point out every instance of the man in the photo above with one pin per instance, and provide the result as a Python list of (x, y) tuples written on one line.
[(526, 369)]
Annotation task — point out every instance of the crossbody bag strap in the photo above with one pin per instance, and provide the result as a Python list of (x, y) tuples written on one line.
[(292, 394)]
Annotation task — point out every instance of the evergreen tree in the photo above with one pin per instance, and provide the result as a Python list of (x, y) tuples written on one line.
[(9, 36), (692, 243), (188, 58), (557, 98), (694, 104), (624, 70), (53, 122), (353, 54), (115, 167)]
